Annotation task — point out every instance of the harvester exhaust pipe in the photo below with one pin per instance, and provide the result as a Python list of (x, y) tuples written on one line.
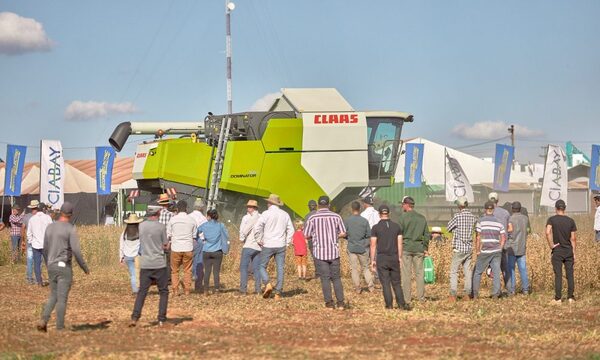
[(120, 135), (122, 132)]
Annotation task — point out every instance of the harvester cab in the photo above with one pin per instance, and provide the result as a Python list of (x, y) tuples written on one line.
[(310, 142)]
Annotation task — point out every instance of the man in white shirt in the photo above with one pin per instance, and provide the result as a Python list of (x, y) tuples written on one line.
[(36, 229), (597, 217), (197, 265), (369, 212), (273, 232), (181, 230), (251, 249)]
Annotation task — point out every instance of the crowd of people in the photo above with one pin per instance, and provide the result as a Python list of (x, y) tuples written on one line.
[(381, 251)]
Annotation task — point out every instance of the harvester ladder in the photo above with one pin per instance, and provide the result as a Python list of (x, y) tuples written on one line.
[(213, 192)]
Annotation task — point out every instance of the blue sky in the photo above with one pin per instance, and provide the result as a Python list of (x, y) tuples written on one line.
[(465, 69)]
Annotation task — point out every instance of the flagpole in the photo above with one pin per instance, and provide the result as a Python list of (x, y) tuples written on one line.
[(97, 208), (445, 169)]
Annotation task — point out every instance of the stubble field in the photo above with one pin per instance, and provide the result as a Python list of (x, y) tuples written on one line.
[(298, 326)]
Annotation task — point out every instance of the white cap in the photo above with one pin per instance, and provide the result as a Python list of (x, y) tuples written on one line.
[(493, 196)]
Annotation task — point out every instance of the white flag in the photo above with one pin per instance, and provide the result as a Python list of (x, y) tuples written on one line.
[(556, 181), (52, 173), (457, 183)]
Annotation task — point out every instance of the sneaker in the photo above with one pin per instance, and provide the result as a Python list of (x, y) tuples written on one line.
[(341, 305), (42, 326), (330, 305), (405, 307), (556, 302), (268, 290), (132, 323), (161, 323), (571, 300)]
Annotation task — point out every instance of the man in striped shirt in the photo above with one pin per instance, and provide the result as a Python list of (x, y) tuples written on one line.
[(324, 228), (462, 226), (491, 236)]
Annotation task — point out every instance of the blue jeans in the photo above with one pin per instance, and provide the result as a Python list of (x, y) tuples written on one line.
[(266, 255), (483, 261), (520, 262), (130, 261), (29, 263), (197, 260), (249, 256), (16, 246), (37, 264)]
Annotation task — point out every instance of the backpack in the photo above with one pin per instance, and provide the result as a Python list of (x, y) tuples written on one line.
[(428, 270)]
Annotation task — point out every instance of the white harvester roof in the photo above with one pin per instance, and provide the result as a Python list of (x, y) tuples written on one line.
[(311, 100)]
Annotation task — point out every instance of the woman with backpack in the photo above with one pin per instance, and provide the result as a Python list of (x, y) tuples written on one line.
[(216, 244), (129, 249)]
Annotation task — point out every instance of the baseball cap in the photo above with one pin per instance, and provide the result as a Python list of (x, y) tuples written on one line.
[(560, 204), (489, 205), (516, 205), (462, 201), (408, 200), (67, 208), (493, 196), (597, 196), (324, 200), (368, 200), (384, 209), (153, 210)]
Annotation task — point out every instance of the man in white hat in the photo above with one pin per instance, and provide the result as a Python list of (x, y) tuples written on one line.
[(597, 218), (503, 216), (25, 244), (462, 226), (251, 249), (197, 266), (273, 232), (36, 228)]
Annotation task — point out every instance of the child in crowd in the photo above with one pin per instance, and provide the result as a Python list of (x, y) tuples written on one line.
[(300, 252)]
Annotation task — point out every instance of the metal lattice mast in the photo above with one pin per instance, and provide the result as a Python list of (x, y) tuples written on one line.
[(226, 122)]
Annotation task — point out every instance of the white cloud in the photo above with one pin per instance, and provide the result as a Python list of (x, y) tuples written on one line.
[(265, 102), (488, 130), (19, 35), (79, 110)]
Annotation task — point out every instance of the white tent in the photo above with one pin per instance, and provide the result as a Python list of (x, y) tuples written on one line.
[(478, 171)]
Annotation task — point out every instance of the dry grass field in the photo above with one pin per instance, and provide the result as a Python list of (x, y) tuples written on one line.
[(298, 326)]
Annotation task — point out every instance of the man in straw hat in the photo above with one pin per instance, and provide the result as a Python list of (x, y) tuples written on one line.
[(165, 215), (61, 243), (197, 266), (153, 265), (36, 228), (273, 232), (25, 244), (462, 226), (250, 250)]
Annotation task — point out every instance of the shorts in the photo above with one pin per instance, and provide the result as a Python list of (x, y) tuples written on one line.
[(301, 260)]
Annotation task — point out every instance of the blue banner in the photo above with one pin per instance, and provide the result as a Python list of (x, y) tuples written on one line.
[(413, 165), (13, 175), (505, 155), (105, 157), (595, 169)]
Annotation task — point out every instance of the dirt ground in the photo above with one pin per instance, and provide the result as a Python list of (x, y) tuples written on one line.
[(298, 326)]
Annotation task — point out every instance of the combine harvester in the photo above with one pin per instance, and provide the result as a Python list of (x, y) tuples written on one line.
[(310, 143)]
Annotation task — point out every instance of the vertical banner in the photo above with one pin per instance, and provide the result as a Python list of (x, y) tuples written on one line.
[(505, 155), (457, 183), (105, 157), (555, 182), (13, 174), (595, 169), (52, 173), (413, 165)]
